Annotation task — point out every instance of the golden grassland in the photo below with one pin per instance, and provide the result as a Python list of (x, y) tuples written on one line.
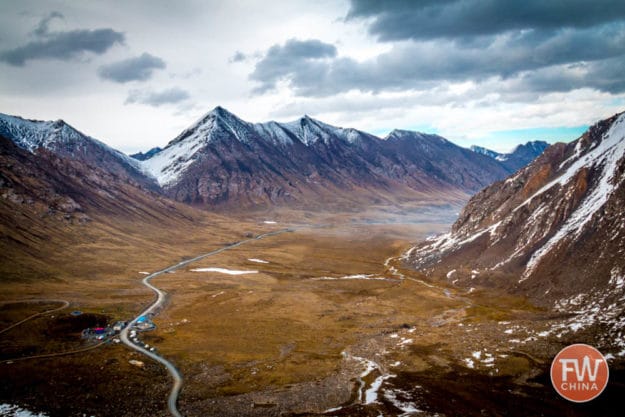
[(260, 334)]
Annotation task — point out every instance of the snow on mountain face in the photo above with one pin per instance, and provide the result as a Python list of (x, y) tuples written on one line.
[(28, 134), (398, 134), (560, 217), (170, 164), (518, 158), (605, 157), (32, 135), (278, 134), (63, 140), (310, 131), (485, 151), (54, 136), (223, 160)]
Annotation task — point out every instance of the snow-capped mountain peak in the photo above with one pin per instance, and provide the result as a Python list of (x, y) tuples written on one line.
[(234, 144), (402, 134), (63, 140)]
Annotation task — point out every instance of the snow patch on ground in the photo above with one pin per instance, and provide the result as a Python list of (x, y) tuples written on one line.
[(258, 261), (355, 276), (407, 407), (371, 395), (447, 243), (605, 308), (404, 341), (224, 271), (8, 410)]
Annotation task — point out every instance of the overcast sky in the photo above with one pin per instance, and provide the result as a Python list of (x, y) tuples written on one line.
[(134, 74)]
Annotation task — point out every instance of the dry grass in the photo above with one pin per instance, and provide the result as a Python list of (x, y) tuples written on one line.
[(264, 332)]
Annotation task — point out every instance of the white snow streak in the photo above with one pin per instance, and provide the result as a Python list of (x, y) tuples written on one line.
[(258, 261), (224, 271), (606, 154)]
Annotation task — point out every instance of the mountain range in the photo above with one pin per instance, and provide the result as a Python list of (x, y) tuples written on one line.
[(223, 161)]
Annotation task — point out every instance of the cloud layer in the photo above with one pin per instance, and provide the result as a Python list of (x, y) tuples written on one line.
[(458, 19), (304, 62), (139, 68), (61, 45), (532, 46)]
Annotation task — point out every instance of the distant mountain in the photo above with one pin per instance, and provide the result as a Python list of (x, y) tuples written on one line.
[(64, 141), (223, 160), (147, 155), (518, 158), (554, 231)]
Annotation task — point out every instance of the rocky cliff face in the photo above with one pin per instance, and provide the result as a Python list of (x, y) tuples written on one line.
[(554, 231)]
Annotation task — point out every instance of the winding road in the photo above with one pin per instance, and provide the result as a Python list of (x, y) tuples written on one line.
[(158, 303)]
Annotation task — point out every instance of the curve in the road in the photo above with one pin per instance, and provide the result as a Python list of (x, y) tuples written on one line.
[(158, 303)]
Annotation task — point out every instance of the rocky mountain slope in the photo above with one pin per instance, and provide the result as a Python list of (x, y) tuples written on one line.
[(49, 203), (223, 160), (518, 158), (61, 139), (555, 230)]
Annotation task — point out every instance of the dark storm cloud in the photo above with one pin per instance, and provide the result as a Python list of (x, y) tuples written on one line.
[(423, 20), (139, 68), (61, 45), (444, 41), (303, 61), (420, 65), (157, 98), (605, 75)]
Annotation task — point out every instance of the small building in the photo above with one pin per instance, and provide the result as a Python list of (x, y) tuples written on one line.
[(119, 326), (144, 323)]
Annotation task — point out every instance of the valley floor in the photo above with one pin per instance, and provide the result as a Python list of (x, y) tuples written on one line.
[(321, 321)]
